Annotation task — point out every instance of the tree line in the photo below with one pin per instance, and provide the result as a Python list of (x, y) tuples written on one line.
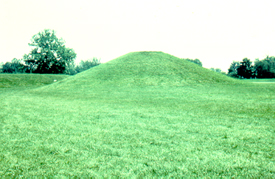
[(49, 55), (245, 69)]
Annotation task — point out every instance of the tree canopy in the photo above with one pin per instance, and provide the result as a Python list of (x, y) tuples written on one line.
[(85, 65), (233, 69), (49, 54), (261, 69), (15, 66), (265, 68), (196, 61), (245, 70)]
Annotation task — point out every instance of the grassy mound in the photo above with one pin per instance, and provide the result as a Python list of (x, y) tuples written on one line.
[(27, 80), (146, 69), (142, 115)]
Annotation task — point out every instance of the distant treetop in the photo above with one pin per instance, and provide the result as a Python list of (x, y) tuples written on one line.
[(49, 55), (196, 61)]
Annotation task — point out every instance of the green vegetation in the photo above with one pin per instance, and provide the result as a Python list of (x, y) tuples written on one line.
[(27, 80), (144, 69), (261, 80), (261, 69), (265, 68), (15, 66), (86, 65), (49, 55), (196, 61), (145, 114)]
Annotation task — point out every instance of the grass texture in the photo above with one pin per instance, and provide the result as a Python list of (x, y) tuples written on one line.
[(144, 114), (27, 80)]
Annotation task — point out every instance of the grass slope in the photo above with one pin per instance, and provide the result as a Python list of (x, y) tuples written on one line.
[(145, 69), (27, 80), (90, 125)]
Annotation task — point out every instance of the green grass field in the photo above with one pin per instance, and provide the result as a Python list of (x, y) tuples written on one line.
[(267, 80), (142, 115)]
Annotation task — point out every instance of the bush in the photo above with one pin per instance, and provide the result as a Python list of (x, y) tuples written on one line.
[(15, 66), (85, 65), (196, 61), (265, 68)]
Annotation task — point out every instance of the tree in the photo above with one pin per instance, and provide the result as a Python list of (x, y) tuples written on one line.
[(85, 65), (49, 54), (233, 69), (15, 66), (71, 69), (7, 68), (216, 70), (196, 61), (265, 68), (245, 69)]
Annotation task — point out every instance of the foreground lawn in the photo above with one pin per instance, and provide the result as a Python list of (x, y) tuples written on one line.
[(155, 131), (261, 80)]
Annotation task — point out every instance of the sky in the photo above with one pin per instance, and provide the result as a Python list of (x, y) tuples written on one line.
[(217, 32)]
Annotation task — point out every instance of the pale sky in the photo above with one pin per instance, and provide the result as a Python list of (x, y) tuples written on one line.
[(217, 32)]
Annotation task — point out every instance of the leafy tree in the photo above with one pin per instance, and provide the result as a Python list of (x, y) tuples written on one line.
[(85, 65), (49, 54), (216, 70), (15, 66), (245, 69), (71, 69), (7, 68), (196, 61), (233, 69), (265, 68)]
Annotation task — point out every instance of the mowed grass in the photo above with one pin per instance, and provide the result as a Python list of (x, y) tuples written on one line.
[(27, 81), (261, 80), (149, 127)]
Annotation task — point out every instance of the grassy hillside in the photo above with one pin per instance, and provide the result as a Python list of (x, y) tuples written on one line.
[(139, 123), (27, 80), (145, 69)]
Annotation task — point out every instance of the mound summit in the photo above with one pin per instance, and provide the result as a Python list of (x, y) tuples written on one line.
[(146, 69)]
